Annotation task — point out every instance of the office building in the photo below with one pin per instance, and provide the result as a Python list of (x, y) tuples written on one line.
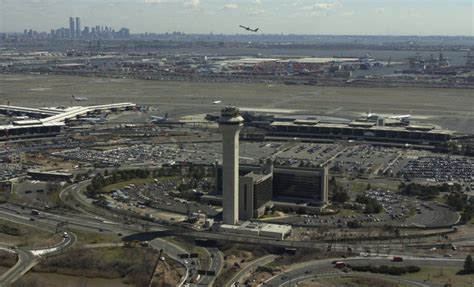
[(71, 27), (78, 27), (282, 187)]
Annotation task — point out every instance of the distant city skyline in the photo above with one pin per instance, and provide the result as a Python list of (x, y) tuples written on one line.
[(330, 17)]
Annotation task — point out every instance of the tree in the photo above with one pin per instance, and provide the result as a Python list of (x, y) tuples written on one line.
[(457, 200), (340, 196), (353, 224), (468, 264), (361, 199), (372, 206)]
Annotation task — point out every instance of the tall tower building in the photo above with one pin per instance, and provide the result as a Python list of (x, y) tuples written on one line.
[(71, 27), (230, 123), (78, 27)]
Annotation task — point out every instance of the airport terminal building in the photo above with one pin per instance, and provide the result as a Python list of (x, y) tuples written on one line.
[(47, 122), (260, 187), (357, 130)]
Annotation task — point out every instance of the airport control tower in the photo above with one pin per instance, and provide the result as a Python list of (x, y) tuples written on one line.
[(230, 123)]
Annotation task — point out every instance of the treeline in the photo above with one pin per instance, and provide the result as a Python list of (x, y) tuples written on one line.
[(194, 172), (465, 148), (427, 192), (100, 181), (462, 203), (384, 269), (372, 206)]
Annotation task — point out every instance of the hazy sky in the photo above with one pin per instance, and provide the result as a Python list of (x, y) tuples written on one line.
[(379, 17)]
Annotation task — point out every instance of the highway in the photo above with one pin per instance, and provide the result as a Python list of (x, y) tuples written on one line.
[(251, 266), (26, 261), (28, 258), (172, 250), (108, 222), (313, 269), (48, 221), (216, 264)]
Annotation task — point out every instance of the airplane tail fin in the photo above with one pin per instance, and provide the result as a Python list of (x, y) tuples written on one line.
[(166, 116), (256, 29), (73, 97)]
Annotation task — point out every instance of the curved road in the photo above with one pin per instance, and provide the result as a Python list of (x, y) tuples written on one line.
[(311, 269), (28, 258)]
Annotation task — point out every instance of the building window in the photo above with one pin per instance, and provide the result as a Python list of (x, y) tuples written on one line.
[(245, 197)]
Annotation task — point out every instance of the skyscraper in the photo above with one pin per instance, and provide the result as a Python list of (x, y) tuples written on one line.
[(78, 27), (230, 124), (71, 27)]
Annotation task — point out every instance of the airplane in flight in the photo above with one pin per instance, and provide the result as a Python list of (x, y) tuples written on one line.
[(249, 29), (79, 99)]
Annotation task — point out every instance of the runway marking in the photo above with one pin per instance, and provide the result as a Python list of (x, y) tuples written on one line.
[(331, 112)]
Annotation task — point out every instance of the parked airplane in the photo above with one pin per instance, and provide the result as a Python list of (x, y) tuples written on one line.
[(79, 99), (393, 117), (400, 117), (248, 28), (157, 119), (216, 102), (95, 120)]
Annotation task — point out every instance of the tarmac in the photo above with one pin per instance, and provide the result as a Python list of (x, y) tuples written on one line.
[(448, 108)]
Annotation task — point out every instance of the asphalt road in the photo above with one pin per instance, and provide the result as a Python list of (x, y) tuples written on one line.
[(307, 270), (26, 261), (251, 266), (216, 264), (28, 258), (172, 250)]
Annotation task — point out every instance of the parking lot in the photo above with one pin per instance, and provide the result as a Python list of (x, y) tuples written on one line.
[(398, 211), (364, 159), (439, 169), (159, 154), (160, 195)]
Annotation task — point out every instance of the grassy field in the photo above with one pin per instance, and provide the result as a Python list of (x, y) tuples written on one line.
[(91, 237), (349, 281), (7, 259), (32, 279), (276, 214), (131, 265), (25, 235), (345, 212), (442, 275)]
